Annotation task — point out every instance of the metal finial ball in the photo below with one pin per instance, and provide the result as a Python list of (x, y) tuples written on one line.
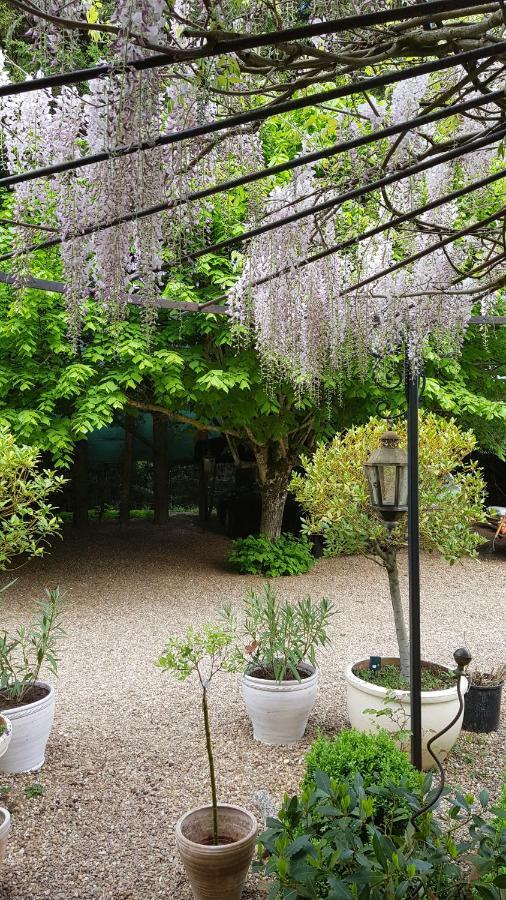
[(462, 657)]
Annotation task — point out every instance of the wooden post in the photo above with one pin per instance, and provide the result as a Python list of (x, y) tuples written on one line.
[(126, 472), (160, 470), (80, 485)]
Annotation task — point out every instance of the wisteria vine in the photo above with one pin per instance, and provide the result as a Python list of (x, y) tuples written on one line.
[(310, 321)]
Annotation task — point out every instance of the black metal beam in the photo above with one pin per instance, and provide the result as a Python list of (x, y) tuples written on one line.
[(236, 43), (58, 287), (412, 387), (251, 177), (260, 113)]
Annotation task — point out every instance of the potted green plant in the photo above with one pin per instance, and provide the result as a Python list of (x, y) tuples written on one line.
[(483, 700), (216, 841), (280, 683), (334, 493), (29, 700)]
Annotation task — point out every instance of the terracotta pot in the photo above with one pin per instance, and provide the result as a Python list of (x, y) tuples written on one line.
[(438, 709), (217, 872), (31, 724), (6, 735), (5, 827), (279, 710)]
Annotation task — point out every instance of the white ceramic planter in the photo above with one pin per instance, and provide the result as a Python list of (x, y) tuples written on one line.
[(31, 725), (6, 735), (5, 827), (279, 710), (438, 709)]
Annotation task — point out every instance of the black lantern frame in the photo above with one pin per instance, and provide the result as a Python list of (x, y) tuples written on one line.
[(386, 471)]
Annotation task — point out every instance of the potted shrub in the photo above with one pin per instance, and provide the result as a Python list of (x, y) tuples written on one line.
[(334, 493), (27, 699), (216, 841), (483, 700), (280, 684)]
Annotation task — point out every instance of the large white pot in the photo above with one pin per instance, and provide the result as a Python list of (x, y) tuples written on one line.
[(5, 827), (438, 710), (31, 725), (6, 735), (279, 710)]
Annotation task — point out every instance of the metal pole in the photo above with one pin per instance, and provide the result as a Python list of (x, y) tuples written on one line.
[(412, 386)]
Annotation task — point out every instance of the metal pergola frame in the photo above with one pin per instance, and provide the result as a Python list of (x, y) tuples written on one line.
[(232, 44)]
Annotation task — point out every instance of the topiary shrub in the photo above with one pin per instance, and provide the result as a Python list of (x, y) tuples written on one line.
[(257, 555), (375, 757)]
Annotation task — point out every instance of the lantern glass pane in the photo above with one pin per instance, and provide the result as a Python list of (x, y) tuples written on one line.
[(388, 483), (403, 486), (373, 479)]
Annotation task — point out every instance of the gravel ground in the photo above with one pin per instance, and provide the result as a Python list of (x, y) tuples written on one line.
[(126, 756)]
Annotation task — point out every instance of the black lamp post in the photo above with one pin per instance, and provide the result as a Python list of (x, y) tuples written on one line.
[(392, 476), (387, 475)]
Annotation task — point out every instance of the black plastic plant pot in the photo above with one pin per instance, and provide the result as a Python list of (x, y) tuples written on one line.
[(483, 708), (317, 545)]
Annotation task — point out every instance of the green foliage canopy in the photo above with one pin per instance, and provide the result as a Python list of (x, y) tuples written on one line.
[(333, 491)]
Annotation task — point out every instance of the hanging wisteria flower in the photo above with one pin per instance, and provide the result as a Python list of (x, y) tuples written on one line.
[(309, 322)]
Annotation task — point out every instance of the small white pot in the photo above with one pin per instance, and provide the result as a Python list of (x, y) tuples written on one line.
[(438, 710), (31, 725), (6, 735), (279, 710), (5, 827)]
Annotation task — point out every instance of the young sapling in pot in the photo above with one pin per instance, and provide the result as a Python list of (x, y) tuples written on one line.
[(204, 653), (216, 842)]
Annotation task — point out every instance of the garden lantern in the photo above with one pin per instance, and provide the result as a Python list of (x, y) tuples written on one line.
[(387, 476)]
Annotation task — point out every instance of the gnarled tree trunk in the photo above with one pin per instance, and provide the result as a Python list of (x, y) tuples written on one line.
[(160, 470), (274, 471), (126, 473), (80, 485)]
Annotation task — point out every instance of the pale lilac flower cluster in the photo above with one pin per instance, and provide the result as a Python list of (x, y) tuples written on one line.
[(309, 322)]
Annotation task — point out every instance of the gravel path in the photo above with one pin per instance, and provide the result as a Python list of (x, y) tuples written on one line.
[(126, 756)]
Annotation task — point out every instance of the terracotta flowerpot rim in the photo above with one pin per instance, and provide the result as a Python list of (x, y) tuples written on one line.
[(376, 690), (215, 848)]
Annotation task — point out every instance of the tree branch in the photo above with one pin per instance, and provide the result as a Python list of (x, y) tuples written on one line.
[(178, 417)]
